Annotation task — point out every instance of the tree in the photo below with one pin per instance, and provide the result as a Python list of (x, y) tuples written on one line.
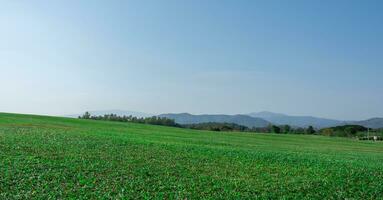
[(86, 115), (275, 129), (327, 132), (286, 129), (351, 131), (310, 130)]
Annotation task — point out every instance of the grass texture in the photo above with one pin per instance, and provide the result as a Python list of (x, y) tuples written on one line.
[(60, 158)]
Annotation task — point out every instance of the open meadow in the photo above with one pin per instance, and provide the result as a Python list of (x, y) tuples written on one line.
[(51, 157)]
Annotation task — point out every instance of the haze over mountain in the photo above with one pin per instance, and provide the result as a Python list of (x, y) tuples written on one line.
[(370, 123), (186, 118), (297, 121)]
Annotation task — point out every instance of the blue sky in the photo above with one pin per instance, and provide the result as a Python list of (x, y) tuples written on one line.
[(322, 58)]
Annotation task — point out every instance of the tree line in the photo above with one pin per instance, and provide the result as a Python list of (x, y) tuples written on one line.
[(215, 126), (350, 131), (284, 129), (142, 120)]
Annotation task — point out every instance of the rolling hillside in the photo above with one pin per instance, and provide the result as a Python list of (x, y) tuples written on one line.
[(63, 158), (244, 120)]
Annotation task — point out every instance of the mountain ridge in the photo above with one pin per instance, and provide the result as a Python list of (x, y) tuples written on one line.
[(296, 121), (376, 122)]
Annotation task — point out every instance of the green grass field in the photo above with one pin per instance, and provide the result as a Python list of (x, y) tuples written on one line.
[(50, 157)]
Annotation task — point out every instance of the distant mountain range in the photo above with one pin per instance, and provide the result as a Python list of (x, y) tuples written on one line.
[(305, 121), (255, 119), (244, 120), (370, 123), (263, 119), (297, 121)]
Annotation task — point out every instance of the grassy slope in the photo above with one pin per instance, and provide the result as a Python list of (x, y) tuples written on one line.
[(43, 157)]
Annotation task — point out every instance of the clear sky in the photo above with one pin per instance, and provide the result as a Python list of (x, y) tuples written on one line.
[(321, 58)]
